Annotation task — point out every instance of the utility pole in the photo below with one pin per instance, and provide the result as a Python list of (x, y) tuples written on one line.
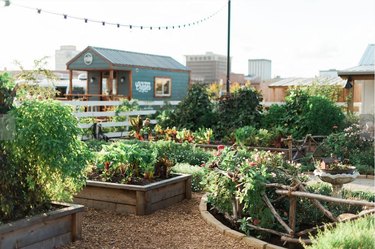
[(228, 51)]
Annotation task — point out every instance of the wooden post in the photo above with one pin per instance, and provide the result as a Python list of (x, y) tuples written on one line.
[(140, 203), (70, 84), (76, 226), (292, 217), (110, 82), (188, 188), (290, 148)]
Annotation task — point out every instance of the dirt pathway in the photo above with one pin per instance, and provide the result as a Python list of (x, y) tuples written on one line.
[(179, 226)]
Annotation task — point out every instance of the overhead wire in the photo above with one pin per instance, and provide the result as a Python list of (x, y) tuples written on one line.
[(117, 24)]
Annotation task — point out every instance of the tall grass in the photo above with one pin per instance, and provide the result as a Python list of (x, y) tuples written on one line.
[(354, 234)]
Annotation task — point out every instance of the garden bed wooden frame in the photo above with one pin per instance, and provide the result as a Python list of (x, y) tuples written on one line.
[(49, 230), (135, 199)]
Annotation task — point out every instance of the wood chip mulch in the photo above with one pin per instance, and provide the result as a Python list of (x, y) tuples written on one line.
[(178, 226)]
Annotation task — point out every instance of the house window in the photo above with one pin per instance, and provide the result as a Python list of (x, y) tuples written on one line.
[(163, 87)]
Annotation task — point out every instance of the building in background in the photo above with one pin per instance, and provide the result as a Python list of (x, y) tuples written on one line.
[(114, 74), (260, 68), (328, 73), (361, 78), (63, 55), (207, 68)]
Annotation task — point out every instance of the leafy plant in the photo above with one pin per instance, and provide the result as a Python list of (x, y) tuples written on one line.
[(6, 93), (181, 153), (246, 136), (45, 161), (194, 111), (352, 144), (305, 114), (203, 136), (122, 162), (322, 116), (164, 115), (197, 174), (241, 109), (237, 181)]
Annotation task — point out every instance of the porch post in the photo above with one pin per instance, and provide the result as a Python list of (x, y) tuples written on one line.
[(110, 81)]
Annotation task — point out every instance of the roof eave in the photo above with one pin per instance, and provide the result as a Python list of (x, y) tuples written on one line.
[(348, 73)]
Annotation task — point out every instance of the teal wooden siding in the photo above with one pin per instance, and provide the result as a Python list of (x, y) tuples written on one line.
[(123, 87), (97, 63), (94, 86), (180, 83)]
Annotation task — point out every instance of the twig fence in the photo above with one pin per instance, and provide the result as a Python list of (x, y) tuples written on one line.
[(293, 192)]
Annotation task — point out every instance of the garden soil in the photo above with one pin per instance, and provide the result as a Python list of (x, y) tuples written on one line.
[(178, 226)]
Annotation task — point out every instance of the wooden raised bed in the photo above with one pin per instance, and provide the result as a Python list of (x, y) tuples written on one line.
[(49, 230), (135, 199)]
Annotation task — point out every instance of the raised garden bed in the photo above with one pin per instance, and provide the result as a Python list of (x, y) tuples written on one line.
[(135, 199), (49, 230)]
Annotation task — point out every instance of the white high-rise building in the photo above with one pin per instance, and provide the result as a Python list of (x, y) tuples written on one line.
[(260, 68), (63, 55)]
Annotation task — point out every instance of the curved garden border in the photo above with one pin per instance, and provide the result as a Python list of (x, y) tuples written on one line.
[(226, 231)]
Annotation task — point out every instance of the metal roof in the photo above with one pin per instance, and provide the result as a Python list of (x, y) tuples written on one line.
[(365, 66), (368, 56), (119, 57), (309, 81)]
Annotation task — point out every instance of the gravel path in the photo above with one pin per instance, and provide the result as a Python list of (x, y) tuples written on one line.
[(179, 226)]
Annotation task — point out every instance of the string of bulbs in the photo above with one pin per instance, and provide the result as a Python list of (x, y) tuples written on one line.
[(118, 25)]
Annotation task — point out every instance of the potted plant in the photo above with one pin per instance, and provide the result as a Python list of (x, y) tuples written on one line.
[(42, 163)]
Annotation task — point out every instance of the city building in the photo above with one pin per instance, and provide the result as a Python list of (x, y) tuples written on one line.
[(63, 55), (260, 68), (207, 68), (114, 74), (328, 73)]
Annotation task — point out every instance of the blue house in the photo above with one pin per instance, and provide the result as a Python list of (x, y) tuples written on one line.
[(114, 74)]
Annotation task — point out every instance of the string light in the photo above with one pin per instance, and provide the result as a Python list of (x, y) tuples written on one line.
[(118, 25)]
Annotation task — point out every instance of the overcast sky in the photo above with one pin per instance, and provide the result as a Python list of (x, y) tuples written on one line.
[(301, 37)]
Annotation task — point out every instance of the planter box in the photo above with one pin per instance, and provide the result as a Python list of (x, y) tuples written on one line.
[(135, 199), (48, 230)]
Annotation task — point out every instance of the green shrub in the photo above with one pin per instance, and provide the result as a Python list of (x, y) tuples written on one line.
[(305, 114), (45, 161), (352, 234), (95, 145), (197, 175), (164, 116), (194, 111), (246, 136), (275, 115), (181, 153), (312, 215), (241, 109), (352, 144), (6, 97), (322, 116)]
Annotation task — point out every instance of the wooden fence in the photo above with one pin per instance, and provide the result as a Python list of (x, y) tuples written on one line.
[(104, 119)]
